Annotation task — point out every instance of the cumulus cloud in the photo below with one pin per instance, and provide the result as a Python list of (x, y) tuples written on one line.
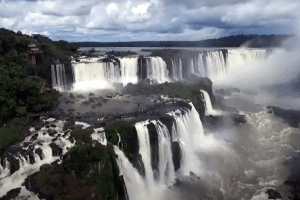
[(131, 19)]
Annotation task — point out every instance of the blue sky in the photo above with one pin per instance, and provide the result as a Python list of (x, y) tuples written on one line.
[(146, 20)]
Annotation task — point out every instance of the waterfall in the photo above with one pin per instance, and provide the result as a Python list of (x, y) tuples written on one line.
[(208, 106), (145, 151), (166, 167), (239, 57), (177, 68), (187, 131), (157, 70), (200, 66), (129, 69), (58, 75), (31, 154), (102, 75), (54, 80), (215, 64)]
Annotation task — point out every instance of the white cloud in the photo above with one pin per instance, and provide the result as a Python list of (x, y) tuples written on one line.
[(141, 9), (111, 8), (163, 19)]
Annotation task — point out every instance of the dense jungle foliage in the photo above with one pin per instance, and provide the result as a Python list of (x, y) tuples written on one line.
[(21, 91), (89, 171)]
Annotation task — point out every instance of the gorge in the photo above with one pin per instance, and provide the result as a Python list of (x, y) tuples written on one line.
[(200, 148)]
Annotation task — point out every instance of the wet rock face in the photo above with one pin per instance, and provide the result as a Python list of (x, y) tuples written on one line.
[(11, 194), (176, 151), (56, 150), (291, 117), (273, 194), (168, 121), (14, 164), (80, 96), (39, 152), (154, 146), (239, 119)]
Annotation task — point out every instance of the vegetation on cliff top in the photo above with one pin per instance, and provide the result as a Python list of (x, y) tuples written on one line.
[(178, 90), (88, 171), (128, 142), (20, 91)]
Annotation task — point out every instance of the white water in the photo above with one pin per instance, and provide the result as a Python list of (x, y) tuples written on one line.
[(208, 106), (102, 75), (157, 70), (215, 64), (188, 132), (95, 74), (239, 57), (176, 68), (9, 181), (58, 77), (129, 70), (99, 136), (145, 151), (166, 167)]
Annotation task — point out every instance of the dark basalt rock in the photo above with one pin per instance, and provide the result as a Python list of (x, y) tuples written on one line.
[(176, 155), (56, 150), (109, 96), (93, 100), (168, 121), (12, 194), (53, 125), (85, 103), (39, 152), (291, 117), (71, 96), (45, 167), (153, 136), (80, 96), (52, 132), (273, 194), (91, 94), (239, 119), (14, 164), (31, 158), (34, 137), (31, 184), (14, 149)]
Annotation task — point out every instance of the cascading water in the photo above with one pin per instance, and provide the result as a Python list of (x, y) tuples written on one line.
[(187, 131), (239, 57), (58, 77), (129, 70), (177, 68), (97, 75), (13, 174), (208, 106), (157, 70), (215, 64)]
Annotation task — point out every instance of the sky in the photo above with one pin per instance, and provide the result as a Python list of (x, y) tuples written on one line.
[(149, 20)]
